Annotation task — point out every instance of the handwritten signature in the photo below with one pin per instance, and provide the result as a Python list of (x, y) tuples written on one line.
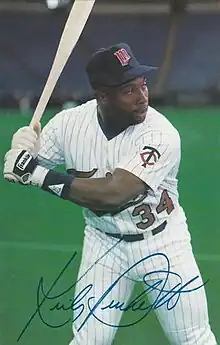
[(84, 300)]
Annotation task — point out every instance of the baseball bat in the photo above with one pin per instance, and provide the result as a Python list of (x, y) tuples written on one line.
[(75, 23)]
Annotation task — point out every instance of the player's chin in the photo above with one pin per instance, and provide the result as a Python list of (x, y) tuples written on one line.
[(139, 117)]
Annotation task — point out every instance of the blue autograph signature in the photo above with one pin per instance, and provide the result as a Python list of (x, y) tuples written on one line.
[(167, 297)]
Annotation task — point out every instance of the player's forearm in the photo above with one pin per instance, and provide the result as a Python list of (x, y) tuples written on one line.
[(109, 193), (94, 194), (106, 193)]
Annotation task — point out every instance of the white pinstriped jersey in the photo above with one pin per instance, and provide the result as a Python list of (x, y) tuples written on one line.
[(150, 150)]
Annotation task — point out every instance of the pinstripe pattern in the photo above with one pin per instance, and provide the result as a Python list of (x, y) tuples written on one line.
[(75, 138), (51, 153), (102, 276), (186, 324)]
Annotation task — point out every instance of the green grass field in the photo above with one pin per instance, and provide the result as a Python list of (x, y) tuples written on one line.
[(39, 233)]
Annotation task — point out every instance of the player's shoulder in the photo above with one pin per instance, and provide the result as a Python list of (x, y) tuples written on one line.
[(157, 127), (157, 121), (72, 116)]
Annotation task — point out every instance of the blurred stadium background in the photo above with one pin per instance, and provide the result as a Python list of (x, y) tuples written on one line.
[(38, 233), (181, 37)]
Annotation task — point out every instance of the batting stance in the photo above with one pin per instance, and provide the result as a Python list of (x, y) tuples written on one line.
[(122, 157)]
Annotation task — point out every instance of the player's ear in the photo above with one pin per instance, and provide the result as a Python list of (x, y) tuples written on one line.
[(101, 97)]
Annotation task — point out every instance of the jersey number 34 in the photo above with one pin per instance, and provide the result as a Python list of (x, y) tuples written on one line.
[(144, 211)]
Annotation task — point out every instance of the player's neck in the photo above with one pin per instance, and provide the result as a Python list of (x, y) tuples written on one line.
[(110, 123)]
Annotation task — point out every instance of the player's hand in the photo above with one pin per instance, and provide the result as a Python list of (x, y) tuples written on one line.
[(20, 166), (28, 139)]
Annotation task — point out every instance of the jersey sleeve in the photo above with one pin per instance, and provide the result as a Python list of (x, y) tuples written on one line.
[(153, 157), (51, 152)]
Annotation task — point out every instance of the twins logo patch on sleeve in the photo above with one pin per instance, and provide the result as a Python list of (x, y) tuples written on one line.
[(149, 156)]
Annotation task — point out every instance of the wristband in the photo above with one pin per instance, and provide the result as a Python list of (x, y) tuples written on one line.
[(58, 183), (52, 181)]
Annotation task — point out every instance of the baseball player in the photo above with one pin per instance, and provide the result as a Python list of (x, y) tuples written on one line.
[(122, 158)]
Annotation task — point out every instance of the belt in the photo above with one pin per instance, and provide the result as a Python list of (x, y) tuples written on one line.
[(138, 237)]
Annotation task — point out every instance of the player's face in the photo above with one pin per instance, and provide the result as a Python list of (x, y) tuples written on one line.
[(131, 100)]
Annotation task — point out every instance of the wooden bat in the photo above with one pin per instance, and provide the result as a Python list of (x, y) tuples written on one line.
[(73, 28)]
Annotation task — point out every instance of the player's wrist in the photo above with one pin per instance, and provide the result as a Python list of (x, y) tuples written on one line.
[(56, 183), (21, 166), (53, 182), (38, 176)]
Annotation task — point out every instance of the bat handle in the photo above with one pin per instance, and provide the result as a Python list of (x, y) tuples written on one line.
[(37, 116)]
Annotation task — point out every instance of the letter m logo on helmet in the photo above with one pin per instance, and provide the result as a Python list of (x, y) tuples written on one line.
[(123, 56)]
